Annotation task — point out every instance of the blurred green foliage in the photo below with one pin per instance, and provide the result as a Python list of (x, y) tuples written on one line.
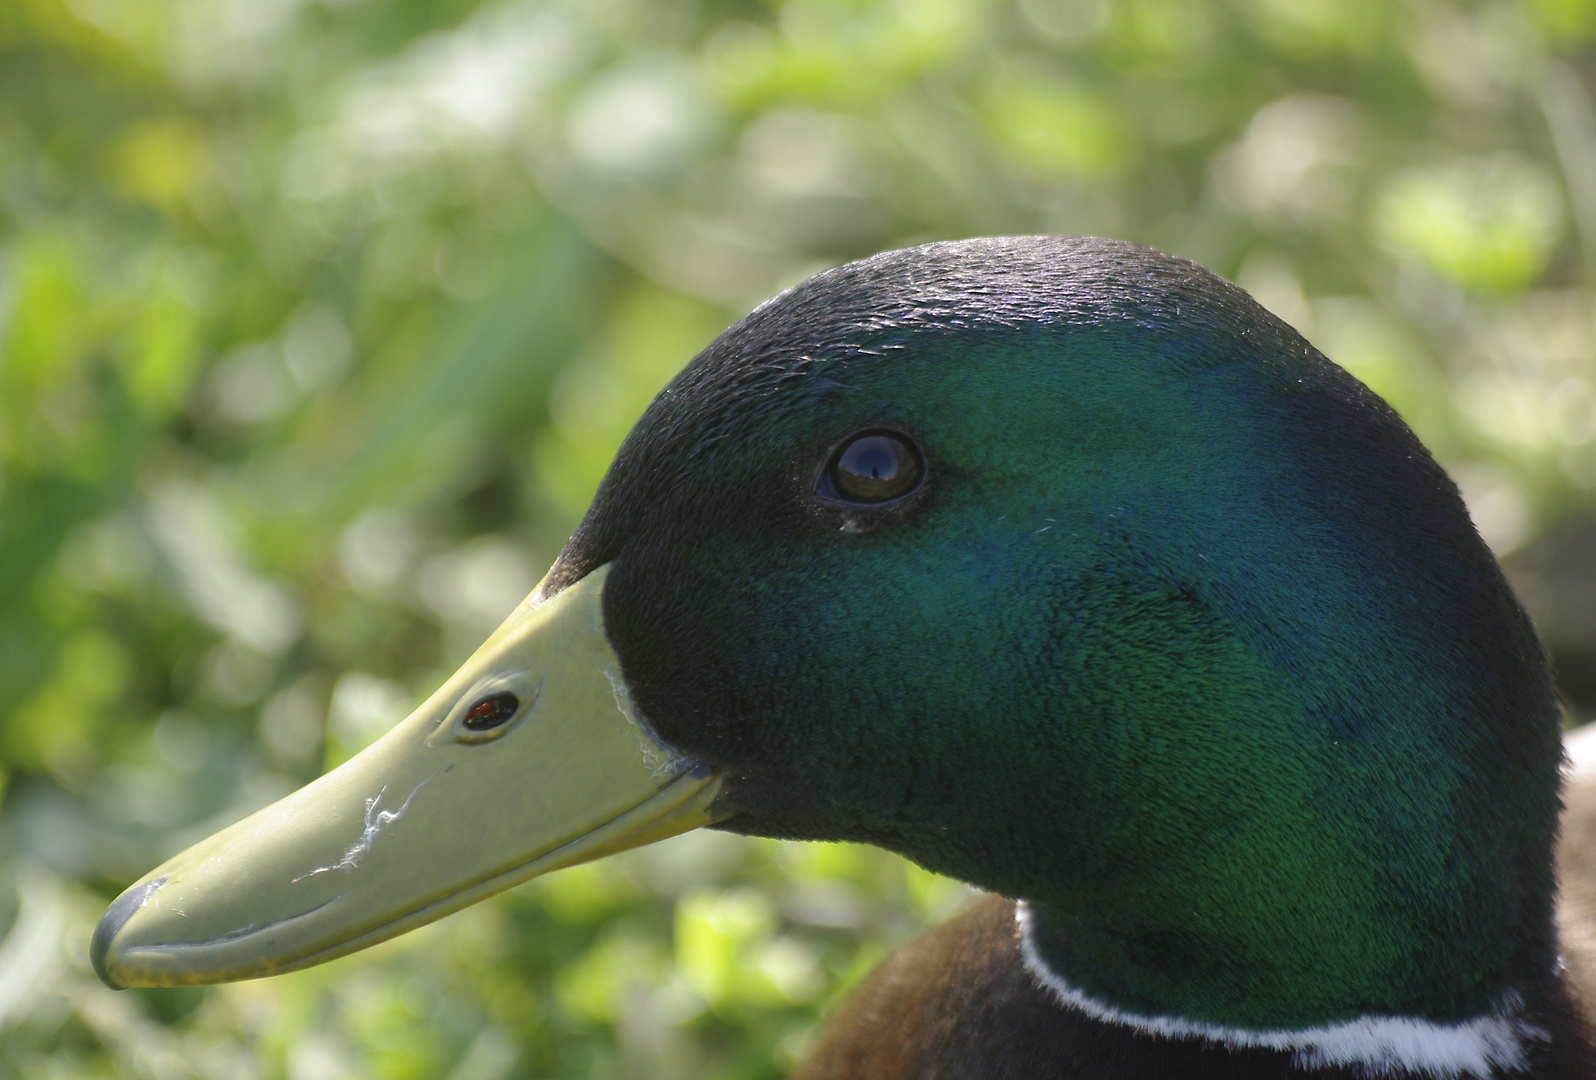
[(320, 320)]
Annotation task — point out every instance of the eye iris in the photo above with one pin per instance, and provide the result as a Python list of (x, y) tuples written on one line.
[(875, 468), (492, 711)]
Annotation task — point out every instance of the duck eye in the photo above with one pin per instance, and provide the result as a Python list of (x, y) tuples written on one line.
[(491, 711), (874, 468)]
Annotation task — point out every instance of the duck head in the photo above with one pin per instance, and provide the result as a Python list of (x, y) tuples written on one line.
[(1057, 565)]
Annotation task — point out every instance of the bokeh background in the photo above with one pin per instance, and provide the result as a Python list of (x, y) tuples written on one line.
[(320, 320)]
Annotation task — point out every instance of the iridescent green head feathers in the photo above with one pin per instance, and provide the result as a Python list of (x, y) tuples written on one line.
[(1182, 635)]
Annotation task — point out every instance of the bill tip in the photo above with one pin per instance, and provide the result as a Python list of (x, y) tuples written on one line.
[(116, 917)]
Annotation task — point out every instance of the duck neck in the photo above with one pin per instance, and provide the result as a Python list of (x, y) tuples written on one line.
[(1508, 1037)]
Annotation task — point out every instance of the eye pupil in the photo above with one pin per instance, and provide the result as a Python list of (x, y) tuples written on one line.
[(492, 711), (874, 468)]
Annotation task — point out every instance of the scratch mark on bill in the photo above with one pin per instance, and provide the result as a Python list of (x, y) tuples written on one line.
[(376, 821)]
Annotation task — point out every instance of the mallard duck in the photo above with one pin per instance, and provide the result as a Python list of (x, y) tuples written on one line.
[(1056, 565)]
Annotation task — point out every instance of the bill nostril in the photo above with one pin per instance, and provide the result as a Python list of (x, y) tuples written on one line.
[(492, 711)]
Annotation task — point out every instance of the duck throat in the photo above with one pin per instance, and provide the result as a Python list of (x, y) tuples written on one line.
[(1503, 1040)]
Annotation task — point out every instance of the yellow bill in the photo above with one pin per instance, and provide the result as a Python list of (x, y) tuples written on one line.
[(528, 759)]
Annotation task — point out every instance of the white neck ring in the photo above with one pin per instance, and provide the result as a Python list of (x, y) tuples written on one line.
[(1376, 1045)]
